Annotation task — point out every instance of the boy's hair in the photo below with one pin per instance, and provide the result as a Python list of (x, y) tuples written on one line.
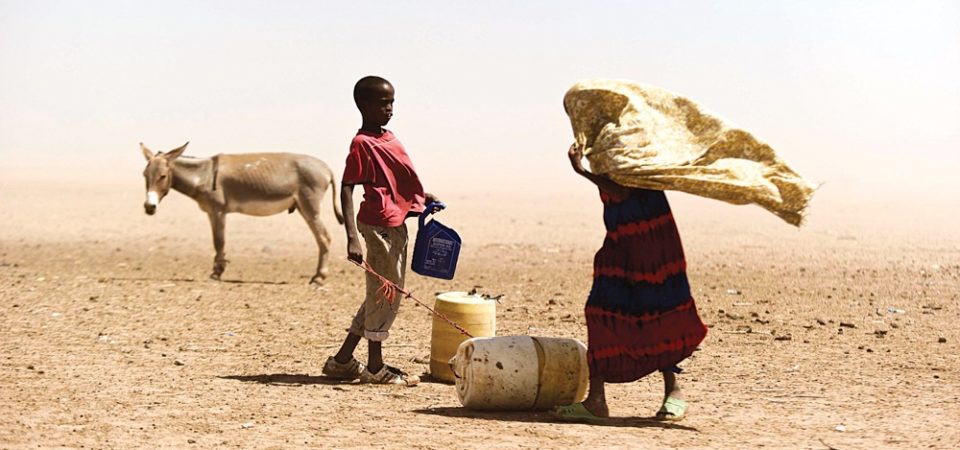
[(366, 87)]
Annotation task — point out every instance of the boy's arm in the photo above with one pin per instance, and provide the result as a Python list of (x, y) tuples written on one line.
[(605, 184), (428, 198), (354, 250)]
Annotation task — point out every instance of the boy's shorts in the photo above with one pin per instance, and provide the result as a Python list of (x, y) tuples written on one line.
[(387, 255)]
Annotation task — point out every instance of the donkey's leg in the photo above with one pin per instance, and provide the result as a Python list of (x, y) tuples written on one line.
[(308, 203), (217, 224)]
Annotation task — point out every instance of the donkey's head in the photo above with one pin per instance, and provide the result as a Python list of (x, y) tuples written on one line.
[(158, 175)]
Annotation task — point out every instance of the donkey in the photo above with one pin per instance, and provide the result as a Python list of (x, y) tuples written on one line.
[(257, 184)]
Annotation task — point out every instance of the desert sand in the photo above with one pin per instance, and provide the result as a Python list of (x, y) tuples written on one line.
[(842, 334)]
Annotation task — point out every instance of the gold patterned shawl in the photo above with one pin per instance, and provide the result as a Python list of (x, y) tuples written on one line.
[(646, 137)]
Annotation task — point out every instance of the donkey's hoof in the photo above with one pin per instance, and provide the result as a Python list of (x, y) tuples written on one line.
[(215, 276), (317, 281)]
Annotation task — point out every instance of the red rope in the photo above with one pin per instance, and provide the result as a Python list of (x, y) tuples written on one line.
[(389, 290)]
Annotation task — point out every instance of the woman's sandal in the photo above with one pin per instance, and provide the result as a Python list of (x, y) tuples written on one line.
[(673, 409), (576, 413)]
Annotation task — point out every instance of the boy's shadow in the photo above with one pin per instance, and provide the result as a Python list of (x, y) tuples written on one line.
[(545, 417), (286, 379)]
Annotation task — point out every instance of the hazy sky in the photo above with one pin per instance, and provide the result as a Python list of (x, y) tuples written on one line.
[(852, 93)]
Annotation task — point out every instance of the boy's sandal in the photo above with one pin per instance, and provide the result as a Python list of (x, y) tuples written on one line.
[(576, 413), (673, 409), (388, 375), (350, 370)]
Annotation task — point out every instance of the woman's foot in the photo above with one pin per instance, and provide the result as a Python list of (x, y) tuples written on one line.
[(675, 392), (597, 406), (577, 412), (674, 407), (596, 401), (592, 409)]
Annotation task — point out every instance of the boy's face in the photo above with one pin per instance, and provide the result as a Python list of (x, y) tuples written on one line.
[(378, 109)]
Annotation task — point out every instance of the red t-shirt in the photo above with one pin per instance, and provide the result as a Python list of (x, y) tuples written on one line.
[(391, 188)]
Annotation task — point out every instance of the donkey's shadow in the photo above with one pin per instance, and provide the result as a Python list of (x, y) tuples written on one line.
[(195, 280)]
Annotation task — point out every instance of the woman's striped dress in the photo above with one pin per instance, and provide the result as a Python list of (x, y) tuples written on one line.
[(640, 315)]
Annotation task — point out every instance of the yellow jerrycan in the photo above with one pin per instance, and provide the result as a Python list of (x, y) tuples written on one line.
[(476, 314)]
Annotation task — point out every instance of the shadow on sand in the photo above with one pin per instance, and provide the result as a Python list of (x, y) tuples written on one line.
[(545, 417), (191, 280), (255, 282), (286, 379)]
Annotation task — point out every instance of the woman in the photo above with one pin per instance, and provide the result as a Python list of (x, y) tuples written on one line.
[(640, 315)]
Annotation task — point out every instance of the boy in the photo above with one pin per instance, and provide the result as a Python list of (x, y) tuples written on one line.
[(391, 193)]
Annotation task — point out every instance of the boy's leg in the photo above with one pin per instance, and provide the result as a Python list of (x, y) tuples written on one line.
[(346, 350), (386, 254), (343, 365), (354, 333), (375, 356)]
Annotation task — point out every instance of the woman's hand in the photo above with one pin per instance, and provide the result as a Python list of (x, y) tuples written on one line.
[(602, 181), (576, 157)]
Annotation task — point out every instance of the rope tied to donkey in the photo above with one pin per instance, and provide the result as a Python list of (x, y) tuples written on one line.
[(389, 290)]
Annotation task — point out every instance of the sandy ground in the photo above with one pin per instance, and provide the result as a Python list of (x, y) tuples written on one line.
[(111, 336)]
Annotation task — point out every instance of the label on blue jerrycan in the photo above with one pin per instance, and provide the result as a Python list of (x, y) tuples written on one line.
[(437, 247)]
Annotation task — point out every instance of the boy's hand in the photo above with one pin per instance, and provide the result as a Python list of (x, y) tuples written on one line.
[(430, 198), (354, 251), (576, 157)]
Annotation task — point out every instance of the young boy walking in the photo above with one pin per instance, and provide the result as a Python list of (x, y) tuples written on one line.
[(391, 193)]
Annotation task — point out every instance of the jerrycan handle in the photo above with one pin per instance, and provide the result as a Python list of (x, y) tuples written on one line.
[(429, 210)]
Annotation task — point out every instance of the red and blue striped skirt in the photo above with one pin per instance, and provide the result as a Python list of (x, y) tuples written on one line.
[(640, 314)]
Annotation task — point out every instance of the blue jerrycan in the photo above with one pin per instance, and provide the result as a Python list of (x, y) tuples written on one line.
[(437, 247)]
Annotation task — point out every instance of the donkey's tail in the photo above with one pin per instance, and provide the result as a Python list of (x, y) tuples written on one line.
[(336, 200)]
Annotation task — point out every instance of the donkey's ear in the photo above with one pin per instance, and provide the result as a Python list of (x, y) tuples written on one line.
[(146, 152), (173, 154)]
